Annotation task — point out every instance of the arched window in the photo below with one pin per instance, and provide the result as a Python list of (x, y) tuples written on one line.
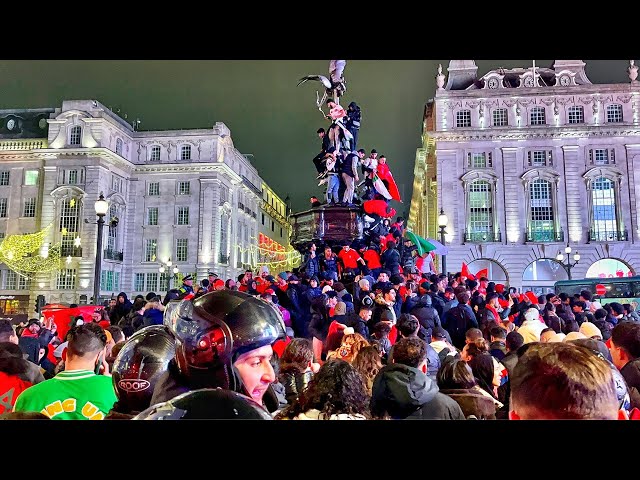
[(185, 152), (614, 113), (119, 146), (112, 236), (604, 226), (576, 114), (541, 214), (480, 212), (224, 236), (75, 135), (537, 116), (154, 154), (609, 268)]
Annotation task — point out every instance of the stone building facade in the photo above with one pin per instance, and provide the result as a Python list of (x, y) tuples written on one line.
[(184, 196), (527, 161)]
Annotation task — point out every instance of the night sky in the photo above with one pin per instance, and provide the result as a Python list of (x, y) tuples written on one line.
[(258, 100)]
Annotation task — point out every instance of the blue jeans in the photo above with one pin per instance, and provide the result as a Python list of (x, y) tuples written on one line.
[(332, 188)]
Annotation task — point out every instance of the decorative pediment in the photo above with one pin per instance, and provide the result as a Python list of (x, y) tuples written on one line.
[(474, 175), (611, 173), (540, 173)]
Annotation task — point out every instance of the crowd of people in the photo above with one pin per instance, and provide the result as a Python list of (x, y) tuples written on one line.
[(396, 344)]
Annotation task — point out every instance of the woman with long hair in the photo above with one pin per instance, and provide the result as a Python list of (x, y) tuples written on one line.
[(13, 366), (455, 379), (351, 344), (336, 392), (368, 363)]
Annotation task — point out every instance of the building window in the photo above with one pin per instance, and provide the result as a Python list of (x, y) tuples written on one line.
[(152, 216), (151, 250), (614, 113), (4, 178), (479, 160), (154, 155), (463, 118), (541, 221), (183, 216), (538, 116), (69, 213), (262, 217), (185, 152), (106, 280), (29, 209), (10, 280), (116, 183), (3, 208), (602, 156), (152, 282), (73, 177), (31, 177), (74, 137), (576, 114), (154, 189), (24, 283), (181, 250), (66, 279), (480, 212), (116, 281), (500, 117), (184, 188), (273, 226), (603, 201), (540, 158), (138, 282), (118, 146), (224, 194), (112, 233)]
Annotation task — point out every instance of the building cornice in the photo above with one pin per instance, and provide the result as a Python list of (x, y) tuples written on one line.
[(485, 93), (550, 133)]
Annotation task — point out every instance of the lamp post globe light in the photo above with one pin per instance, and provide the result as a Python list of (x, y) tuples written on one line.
[(568, 266), (443, 220), (166, 267), (102, 207)]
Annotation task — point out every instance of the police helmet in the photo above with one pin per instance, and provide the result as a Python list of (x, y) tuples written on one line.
[(139, 364), (208, 403)]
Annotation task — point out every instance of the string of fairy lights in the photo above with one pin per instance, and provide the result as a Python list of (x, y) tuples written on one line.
[(28, 254)]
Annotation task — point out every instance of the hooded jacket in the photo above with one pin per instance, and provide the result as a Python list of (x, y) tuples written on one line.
[(427, 316), (404, 392), (121, 309)]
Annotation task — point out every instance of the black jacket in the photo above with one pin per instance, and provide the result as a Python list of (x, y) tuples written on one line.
[(294, 384), (631, 374), (390, 260), (404, 392), (427, 316)]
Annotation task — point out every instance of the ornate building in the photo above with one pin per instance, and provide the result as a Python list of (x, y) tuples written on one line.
[(526, 162), (184, 196), (274, 231)]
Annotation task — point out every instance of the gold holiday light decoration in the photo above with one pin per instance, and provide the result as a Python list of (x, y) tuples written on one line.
[(26, 254)]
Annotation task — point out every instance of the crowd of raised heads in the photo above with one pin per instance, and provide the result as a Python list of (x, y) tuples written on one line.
[(328, 341)]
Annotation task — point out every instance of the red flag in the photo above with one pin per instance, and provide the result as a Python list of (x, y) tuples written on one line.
[(482, 273), (532, 297), (466, 273)]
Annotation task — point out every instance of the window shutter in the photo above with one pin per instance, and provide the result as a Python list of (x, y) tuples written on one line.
[(529, 158), (550, 158), (468, 160), (613, 155), (591, 156), (490, 160)]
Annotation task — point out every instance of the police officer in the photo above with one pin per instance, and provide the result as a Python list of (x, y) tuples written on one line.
[(187, 285)]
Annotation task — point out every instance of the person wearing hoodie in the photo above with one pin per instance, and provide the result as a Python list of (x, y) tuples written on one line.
[(427, 316), (402, 390), (354, 117), (532, 326), (122, 308), (154, 310)]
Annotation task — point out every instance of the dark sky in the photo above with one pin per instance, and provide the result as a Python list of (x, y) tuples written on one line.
[(258, 100)]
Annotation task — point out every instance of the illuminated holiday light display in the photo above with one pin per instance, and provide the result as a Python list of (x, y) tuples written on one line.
[(20, 253)]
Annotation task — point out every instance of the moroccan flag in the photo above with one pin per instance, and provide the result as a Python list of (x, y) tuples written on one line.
[(482, 273), (466, 273)]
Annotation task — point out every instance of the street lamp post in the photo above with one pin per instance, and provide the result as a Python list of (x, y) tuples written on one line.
[(165, 267), (102, 207), (568, 266), (442, 223)]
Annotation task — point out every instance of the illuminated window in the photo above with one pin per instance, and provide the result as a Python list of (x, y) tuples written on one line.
[(541, 222), (73, 177), (138, 283), (4, 178), (10, 280), (151, 250), (480, 211), (154, 189), (31, 177), (66, 279), (603, 202), (112, 233), (69, 214), (183, 216), (24, 283), (152, 282), (3, 208)]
